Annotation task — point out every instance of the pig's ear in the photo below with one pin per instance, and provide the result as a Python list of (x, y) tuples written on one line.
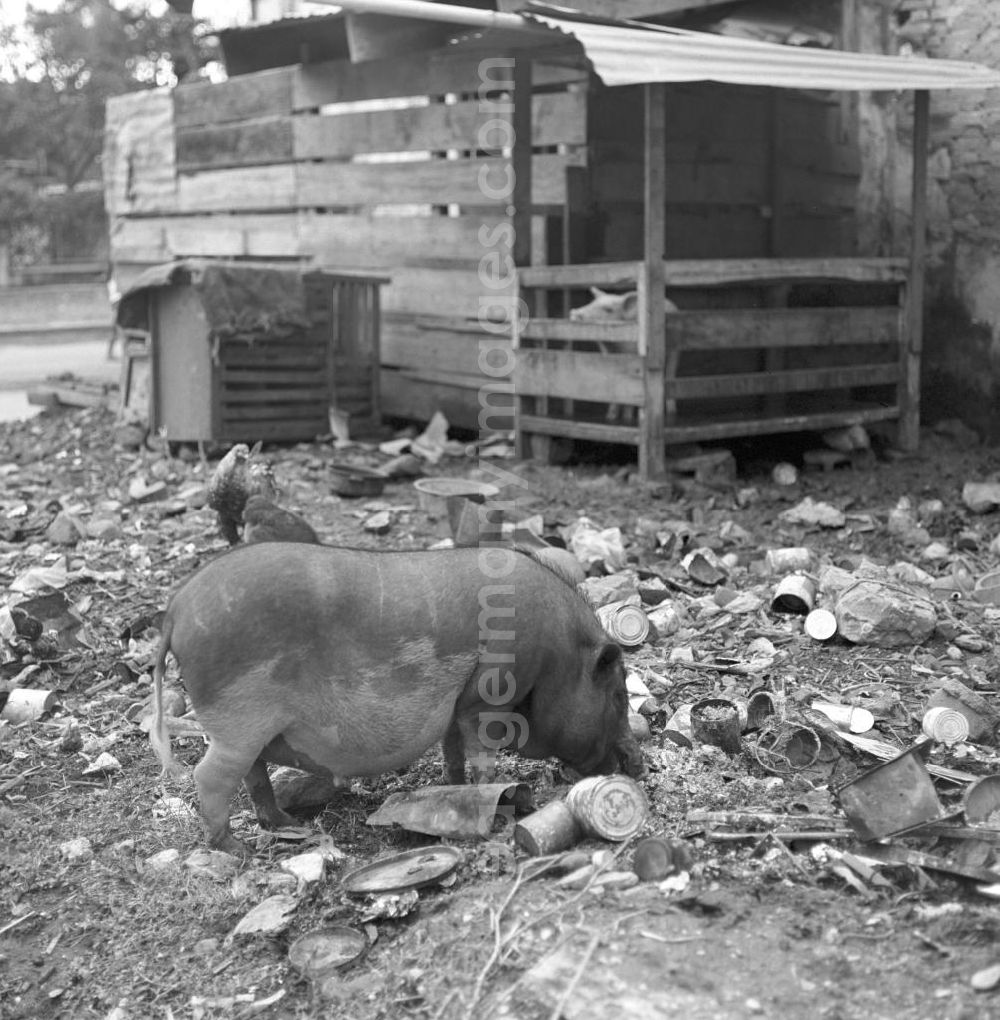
[(609, 663), (630, 304), (596, 292)]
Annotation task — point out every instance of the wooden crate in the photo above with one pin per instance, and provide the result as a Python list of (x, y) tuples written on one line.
[(274, 384), (345, 314)]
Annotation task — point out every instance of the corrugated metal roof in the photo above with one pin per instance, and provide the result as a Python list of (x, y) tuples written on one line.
[(627, 55)]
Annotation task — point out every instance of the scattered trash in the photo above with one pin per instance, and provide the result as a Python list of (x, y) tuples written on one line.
[(27, 705), (784, 747), (595, 547), (983, 718), (657, 857), (794, 593), (609, 807), (403, 872), (788, 560), (716, 721), (845, 717), (354, 481), (892, 798), (703, 566), (816, 514), (321, 953), (945, 725), (981, 802), (625, 622), (820, 624), (270, 917), (549, 830), (454, 812)]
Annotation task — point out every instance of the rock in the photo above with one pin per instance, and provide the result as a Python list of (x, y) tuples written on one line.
[(165, 860), (378, 524), (65, 529), (884, 615), (140, 492), (981, 497), (104, 529)]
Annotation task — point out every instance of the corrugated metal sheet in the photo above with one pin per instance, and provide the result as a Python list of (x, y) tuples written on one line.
[(630, 56)]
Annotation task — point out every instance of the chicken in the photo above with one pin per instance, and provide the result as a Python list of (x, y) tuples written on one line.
[(236, 478), (227, 491), (265, 521)]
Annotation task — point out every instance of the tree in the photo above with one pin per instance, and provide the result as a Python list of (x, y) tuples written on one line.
[(78, 56), (71, 60)]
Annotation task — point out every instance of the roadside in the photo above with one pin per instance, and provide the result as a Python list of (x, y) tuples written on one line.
[(25, 365)]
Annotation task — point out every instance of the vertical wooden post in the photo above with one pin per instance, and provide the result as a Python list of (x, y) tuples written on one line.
[(912, 340), (652, 307), (520, 215)]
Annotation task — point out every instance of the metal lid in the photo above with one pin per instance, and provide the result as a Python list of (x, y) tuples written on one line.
[(320, 952), (409, 870)]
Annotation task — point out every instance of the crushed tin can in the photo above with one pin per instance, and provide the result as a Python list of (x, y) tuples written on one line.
[(609, 807)]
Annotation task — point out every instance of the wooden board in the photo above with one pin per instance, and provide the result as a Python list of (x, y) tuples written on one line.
[(469, 182), (247, 143), (244, 97), (578, 375), (351, 240), (757, 383), (283, 187), (557, 118), (782, 327), (726, 428), (436, 343), (720, 272), (138, 163)]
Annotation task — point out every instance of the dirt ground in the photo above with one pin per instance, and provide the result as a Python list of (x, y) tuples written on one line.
[(763, 925)]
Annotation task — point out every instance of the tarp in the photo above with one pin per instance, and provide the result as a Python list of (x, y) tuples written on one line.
[(238, 299), (632, 55)]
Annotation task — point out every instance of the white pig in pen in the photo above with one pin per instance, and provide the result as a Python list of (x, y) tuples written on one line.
[(607, 307)]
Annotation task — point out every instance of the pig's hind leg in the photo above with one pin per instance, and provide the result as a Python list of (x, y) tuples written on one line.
[(258, 784), (218, 776)]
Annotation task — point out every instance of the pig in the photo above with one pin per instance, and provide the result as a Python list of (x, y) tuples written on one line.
[(349, 662), (607, 307), (612, 307)]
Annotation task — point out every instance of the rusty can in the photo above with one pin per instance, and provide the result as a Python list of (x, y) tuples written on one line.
[(624, 623), (609, 807)]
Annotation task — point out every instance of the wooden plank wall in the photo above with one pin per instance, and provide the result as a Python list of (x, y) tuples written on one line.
[(376, 166), (750, 172)]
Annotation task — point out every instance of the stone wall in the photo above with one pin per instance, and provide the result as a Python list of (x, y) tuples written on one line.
[(961, 367)]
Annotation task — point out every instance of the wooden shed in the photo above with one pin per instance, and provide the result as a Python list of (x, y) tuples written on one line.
[(495, 165)]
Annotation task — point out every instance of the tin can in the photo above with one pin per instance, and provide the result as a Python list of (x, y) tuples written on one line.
[(795, 593), (820, 625), (945, 725), (549, 830), (624, 623), (609, 807), (788, 559)]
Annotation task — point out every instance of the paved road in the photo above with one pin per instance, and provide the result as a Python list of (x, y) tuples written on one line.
[(25, 365)]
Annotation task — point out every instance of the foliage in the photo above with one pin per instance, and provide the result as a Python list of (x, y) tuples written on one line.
[(77, 56)]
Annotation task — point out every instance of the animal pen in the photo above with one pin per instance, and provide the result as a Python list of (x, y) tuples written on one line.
[(494, 166)]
